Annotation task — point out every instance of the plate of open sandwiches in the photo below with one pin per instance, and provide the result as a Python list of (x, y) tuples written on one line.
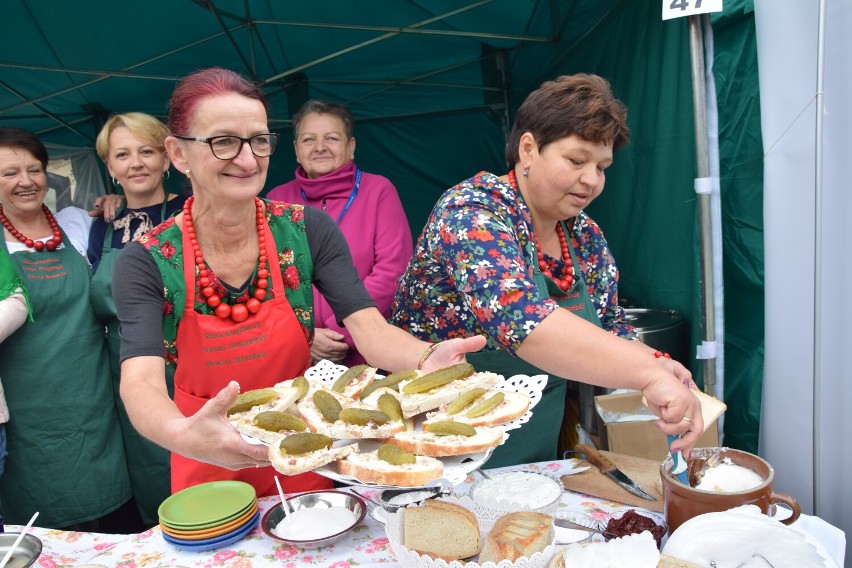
[(406, 429)]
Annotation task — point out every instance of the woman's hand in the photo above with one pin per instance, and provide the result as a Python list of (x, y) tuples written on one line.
[(452, 351), (106, 206), (212, 439), (328, 344), (678, 408)]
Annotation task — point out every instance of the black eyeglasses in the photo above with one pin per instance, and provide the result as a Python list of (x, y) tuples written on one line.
[(229, 147)]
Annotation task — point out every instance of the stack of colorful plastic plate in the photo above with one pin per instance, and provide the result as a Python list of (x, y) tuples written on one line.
[(210, 515)]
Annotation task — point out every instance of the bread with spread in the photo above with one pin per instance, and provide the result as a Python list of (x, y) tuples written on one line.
[(373, 467), (512, 404), (441, 529), (515, 535), (306, 451), (426, 443), (322, 410)]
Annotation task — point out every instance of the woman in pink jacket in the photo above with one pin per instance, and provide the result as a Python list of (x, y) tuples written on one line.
[(328, 179)]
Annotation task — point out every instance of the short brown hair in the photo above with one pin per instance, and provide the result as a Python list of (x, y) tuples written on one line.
[(318, 106), (580, 104)]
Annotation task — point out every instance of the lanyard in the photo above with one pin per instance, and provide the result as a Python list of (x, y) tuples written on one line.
[(351, 195)]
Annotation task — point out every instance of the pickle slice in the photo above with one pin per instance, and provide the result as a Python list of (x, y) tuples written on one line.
[(328, 406), (439, 378), (276, 421), (391, 381), (363, 416), (249, 399), (389, 404), (301, 383), (450, 428), (465, 398), (486, 405), (347, 377), (395, 455), (304, 442)]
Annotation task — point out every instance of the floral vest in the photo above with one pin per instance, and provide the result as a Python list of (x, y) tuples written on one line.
[(287, 223)]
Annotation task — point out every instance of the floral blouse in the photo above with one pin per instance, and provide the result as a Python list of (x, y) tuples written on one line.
[(472, 270)]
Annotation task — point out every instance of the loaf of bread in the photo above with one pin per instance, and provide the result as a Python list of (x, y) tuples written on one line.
[(517, 534), (441, 529)]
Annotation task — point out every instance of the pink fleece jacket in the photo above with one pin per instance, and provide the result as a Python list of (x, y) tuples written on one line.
[(375, 226)]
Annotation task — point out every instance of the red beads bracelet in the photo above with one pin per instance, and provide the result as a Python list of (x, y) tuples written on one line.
[(658, 354)]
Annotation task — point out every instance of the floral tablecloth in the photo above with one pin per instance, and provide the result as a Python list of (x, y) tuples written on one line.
[(365, 546)]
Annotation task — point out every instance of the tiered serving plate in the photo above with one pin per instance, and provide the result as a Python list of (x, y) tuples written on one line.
[(209, 515)]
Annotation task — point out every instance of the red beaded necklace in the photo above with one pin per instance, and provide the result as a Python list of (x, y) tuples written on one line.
[(39, 246), (563, 283), (207, 283)]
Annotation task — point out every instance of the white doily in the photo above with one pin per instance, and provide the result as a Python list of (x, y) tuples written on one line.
[(394, 528)]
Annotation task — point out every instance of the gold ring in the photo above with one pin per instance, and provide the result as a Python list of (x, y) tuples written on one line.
[(688, 419)]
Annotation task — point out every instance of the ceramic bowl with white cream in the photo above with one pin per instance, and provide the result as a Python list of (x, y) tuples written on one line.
[(518, 491), (316, 518)]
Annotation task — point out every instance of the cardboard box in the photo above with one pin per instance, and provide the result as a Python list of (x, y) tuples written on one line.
[(632, 435)]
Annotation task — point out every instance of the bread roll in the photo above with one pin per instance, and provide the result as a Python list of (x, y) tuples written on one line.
[(441, 529), (517, 534)]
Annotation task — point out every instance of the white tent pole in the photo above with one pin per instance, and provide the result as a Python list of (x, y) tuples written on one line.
[(818, 253), (703, 185)]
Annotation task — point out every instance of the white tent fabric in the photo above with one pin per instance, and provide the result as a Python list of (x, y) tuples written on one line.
[(799, 429)]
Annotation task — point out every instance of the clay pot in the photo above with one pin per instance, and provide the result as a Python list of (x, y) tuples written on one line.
[(682, 502)]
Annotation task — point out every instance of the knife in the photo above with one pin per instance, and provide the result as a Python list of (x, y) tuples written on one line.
[(608, 468)]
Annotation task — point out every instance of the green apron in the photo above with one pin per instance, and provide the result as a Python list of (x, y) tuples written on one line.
[(537, 440), (65, 458), (147, 462)]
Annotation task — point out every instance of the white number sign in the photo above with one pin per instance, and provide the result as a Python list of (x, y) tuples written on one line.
[(680, 8)]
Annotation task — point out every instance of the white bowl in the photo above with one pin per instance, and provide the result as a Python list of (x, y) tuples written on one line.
[(518, 491)]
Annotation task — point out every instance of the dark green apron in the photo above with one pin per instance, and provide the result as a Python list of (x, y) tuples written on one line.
[(537, 440), (66, 459), (148, 463)]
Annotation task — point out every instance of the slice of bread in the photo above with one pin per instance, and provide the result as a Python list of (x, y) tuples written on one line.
[(285, 396), (246, 426), (359, 383), (515, 535), (368, 468), (441, 529), (414, 404), (514, 404), (301, 463), (423, 443), (711, 407), (341, 430)]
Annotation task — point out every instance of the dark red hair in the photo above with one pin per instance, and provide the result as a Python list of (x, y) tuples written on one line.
[(212, 82)]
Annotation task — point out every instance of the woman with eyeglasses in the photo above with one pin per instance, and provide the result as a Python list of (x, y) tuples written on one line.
[(132, 147), (221, 297)]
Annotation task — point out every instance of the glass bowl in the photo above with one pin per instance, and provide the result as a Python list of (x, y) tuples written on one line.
[(518, 491), (633, 522), (315, 500)]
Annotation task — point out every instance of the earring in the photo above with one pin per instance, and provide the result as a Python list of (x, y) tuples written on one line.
[(526, 173), (115, 182), (167, 174), (187, 172)]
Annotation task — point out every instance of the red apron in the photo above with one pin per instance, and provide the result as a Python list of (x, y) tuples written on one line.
[(267, 348)]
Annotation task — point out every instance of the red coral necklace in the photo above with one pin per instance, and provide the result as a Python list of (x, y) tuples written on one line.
[(39, 246), (246, 305), (563, 283)]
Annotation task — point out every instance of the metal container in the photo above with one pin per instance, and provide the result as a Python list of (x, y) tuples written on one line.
[(26, 553), (661, 329), (664, 330)]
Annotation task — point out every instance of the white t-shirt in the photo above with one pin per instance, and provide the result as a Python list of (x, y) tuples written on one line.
[(75, 222)]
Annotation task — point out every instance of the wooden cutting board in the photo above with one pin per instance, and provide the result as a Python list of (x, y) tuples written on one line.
[(644, 472)]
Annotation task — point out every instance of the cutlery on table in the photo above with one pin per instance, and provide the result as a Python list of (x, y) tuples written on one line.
[(610, 470)]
